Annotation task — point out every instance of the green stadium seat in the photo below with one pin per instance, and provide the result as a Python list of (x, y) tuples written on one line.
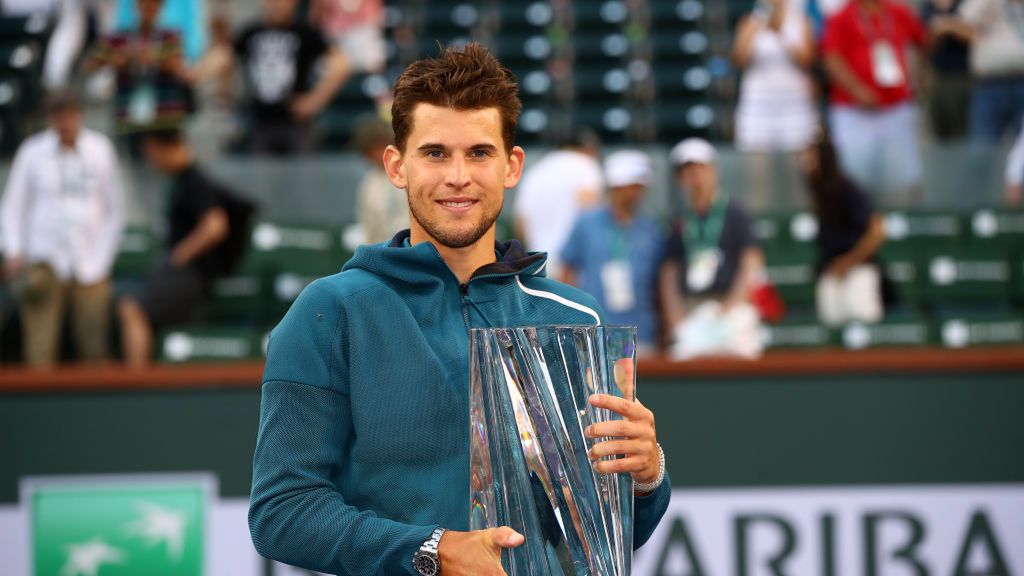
[(966, 275), (792, 271), (679, 45), (891, 332), (137, 254), (1003, 227), (980, 329), (683, 79), (243, 298), (210, 344), (12, 120), (905, 270), (798, 334), (33, 27), (673, 15), (923, 228)]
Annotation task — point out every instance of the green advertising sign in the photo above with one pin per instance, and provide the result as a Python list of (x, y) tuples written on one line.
[(118, 528)]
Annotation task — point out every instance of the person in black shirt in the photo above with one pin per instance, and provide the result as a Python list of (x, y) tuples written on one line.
[(206, 231), (278, 56), (850, 233), (949, 86), (711, 256)]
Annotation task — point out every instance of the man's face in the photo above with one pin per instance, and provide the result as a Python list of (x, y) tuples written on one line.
[(700, 182), (629, 196), (156, 153), (149, 9), (66, 123), (279, 11), (455, 171)]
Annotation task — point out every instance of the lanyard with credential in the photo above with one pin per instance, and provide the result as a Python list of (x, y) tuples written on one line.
[(701, 236), (617, 244)]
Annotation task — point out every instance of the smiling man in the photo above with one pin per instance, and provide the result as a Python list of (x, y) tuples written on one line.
[(362, 460)]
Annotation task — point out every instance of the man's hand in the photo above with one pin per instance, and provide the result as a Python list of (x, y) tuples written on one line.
[(840, 266), (305, 106), (477, 552), (865, 96), (634, 442)]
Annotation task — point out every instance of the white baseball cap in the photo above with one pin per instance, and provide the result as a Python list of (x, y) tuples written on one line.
[(692, 150), (627, 167)]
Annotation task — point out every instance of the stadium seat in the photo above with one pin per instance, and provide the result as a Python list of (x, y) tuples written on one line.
[(966, 276), (798, 333), (890, 332), (922, 228), (995, 227), (792, 272), (960, 330), (210, 344)]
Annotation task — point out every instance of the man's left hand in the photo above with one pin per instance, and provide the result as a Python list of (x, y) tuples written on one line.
[(633, 441)]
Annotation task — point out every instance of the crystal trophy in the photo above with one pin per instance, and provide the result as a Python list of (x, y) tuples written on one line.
[(529, 461)]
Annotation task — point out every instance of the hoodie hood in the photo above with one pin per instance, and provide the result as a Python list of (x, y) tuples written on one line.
[(422, 263)]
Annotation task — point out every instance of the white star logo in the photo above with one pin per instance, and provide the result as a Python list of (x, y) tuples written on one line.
[(85, 559), (159, 524)]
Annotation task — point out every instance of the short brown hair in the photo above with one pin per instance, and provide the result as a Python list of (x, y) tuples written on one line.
[(467, 78)]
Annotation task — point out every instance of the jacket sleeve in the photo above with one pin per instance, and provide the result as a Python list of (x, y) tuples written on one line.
[(13, 206), (297, 515), (648, 510)]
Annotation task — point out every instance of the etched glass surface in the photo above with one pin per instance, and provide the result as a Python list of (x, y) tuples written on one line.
[(529, 466)]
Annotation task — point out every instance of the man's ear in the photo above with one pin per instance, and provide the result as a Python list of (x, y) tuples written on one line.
[(394, 166), (514, 168)]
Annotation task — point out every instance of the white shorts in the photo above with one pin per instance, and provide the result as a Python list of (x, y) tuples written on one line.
[(789, 129), (856, 297), (878, 149)]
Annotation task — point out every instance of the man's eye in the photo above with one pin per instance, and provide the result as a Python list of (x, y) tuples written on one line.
[(479, 154), (435, 154)]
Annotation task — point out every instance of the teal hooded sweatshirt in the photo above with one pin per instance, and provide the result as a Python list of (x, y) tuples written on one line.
[(363, 445)]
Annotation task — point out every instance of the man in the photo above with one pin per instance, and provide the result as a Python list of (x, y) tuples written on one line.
[(62, 215), (872, 115), (150, 71), (712, 262), (363, 448), (553, 193), (613, 252), (205, 236), (383, 209), (279, 56), (995, 29)]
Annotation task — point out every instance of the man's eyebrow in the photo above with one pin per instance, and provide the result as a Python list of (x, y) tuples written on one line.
[(485, 147), (431, 146)]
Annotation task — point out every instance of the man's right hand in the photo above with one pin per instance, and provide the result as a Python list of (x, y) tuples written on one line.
[(476, 553)]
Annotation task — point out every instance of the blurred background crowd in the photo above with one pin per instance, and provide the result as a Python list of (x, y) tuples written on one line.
[(727, 175)]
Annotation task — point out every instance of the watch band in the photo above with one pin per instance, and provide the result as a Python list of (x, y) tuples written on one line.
[(648, 487), (425, 561)]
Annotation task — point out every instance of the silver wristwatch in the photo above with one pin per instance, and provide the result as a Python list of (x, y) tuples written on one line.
[(648, 487), (425, 559)]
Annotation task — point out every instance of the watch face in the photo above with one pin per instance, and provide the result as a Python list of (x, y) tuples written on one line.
[(425, 564)]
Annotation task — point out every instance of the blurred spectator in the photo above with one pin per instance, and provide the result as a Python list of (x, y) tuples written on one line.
[(383, 209), (69, 37), (850, 233), (187, 18), (278, 58), (613, 252), (62, 217), (872, 118), (712, 264), (775, 49), (997, 62), (554, 191), (1015, 170), (355, 27), (206, 236), (949, 84), (151, 73)]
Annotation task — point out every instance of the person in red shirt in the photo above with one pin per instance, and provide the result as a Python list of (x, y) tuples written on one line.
[(872, 115)]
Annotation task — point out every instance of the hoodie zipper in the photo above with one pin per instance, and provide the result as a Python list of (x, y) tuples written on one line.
[(463, 292)]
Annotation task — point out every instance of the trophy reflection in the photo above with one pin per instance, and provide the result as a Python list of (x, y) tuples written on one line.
[(529, 464)]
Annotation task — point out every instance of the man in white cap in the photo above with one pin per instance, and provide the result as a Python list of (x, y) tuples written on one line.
[(712, 263), (613, 252)]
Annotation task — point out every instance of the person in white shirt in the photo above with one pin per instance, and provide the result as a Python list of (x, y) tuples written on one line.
[(554, 191), (1015, 171), (61, 217)]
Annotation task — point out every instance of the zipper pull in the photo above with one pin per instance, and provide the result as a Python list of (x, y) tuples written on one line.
[(463, 289)]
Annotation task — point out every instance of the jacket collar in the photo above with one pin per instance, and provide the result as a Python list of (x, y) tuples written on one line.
[(422, 262)]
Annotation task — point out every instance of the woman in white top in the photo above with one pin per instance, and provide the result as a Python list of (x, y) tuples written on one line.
[(775, 49)]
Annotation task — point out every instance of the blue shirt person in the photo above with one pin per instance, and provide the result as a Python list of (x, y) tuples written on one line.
[(613, 252)]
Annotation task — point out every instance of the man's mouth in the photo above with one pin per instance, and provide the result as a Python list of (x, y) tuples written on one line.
[(457, 203)]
